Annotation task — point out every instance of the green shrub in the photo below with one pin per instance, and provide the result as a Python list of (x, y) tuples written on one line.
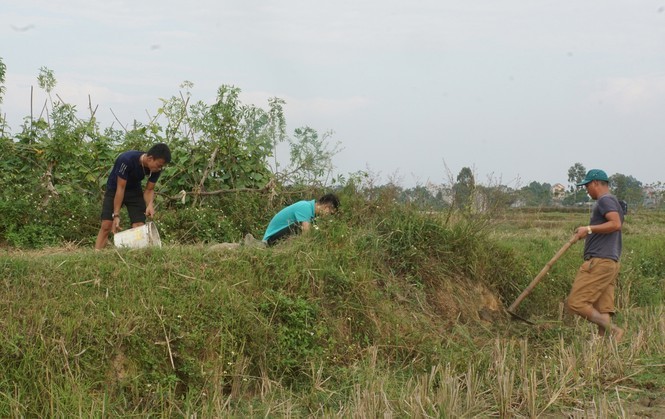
[(196, 224), (36, 221), (32, 236)]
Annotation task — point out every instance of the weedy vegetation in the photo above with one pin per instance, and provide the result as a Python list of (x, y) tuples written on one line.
[(382, 311)]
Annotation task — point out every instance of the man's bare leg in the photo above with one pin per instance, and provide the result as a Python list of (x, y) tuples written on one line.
[(603, 321), (103, 235)]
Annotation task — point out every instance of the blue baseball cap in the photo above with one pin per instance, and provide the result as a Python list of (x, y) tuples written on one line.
[(594, 174)]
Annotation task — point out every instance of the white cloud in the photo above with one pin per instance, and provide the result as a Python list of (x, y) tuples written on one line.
[(303, 107), (631, 94), (328, 107)]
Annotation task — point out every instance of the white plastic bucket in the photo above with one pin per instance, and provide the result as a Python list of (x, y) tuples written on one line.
[(137, 237)]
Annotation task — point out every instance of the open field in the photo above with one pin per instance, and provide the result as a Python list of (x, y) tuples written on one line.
[(388, 314)]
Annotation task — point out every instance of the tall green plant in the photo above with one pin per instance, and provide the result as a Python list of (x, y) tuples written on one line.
[(464, 189), (229, 145)]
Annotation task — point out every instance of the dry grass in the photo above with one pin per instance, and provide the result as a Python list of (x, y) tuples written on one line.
[(588, 378)]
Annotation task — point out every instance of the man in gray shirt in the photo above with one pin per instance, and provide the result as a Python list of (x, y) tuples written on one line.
[(592, 294)]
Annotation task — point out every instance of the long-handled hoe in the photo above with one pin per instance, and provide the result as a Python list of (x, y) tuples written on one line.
[(536, 280)]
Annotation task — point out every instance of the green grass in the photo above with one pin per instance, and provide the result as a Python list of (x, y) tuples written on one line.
[(381, 311)]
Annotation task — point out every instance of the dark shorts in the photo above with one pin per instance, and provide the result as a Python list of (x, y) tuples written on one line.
[(134, 202), (284, 233)]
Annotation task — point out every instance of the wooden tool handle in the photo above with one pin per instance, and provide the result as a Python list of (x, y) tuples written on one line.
[(542, 273)]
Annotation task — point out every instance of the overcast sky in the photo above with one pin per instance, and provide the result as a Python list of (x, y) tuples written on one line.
[(518, 91)]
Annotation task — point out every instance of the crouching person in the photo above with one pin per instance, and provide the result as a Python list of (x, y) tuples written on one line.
[(298, 217)]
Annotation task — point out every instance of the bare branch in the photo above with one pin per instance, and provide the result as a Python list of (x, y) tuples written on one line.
[(268, 187), (211, 161), (116, 118)]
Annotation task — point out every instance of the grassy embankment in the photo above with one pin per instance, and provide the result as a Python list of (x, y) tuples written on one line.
[(383, 311)]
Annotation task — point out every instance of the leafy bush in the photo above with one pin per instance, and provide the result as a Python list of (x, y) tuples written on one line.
[(196, 224), (31, 236), (35, 220)]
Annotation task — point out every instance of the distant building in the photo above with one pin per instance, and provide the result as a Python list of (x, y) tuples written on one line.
[(651, 197), (558, 192), (518, 203)]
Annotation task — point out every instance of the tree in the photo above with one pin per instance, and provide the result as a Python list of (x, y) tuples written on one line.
[(535, 194), (464, 188), (311, 157), (627, 188), (231, 145), (576, 174), (493, 197), (424, 197)]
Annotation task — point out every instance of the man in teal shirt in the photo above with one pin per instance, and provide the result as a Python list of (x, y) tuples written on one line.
[(298, 217)]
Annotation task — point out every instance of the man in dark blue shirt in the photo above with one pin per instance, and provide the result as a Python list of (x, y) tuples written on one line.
[(124, 188)]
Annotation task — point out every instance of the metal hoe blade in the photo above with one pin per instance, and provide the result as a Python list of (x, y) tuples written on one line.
[(516, 316)]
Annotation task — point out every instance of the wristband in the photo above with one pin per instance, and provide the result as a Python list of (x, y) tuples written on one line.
[(588, 230)]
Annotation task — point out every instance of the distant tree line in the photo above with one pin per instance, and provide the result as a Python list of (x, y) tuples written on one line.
[(465, 194)]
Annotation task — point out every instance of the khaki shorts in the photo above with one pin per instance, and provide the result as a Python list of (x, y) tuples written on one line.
[(594, 285)]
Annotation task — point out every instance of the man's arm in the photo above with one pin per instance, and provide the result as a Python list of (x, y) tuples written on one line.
[(305, 226), (612, 224), (148, 197), (117, 203)]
